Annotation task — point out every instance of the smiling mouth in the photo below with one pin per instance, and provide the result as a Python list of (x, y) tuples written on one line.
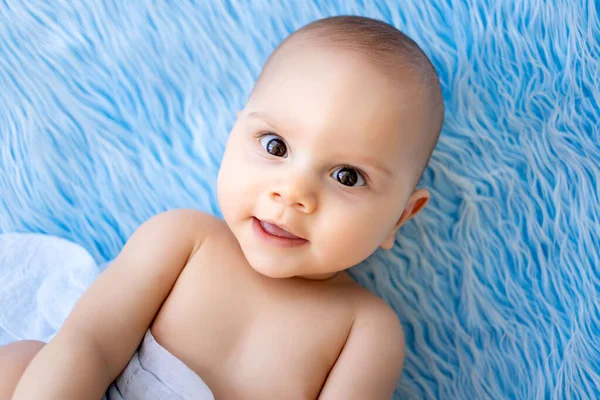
[(276, 235), (275, 230)]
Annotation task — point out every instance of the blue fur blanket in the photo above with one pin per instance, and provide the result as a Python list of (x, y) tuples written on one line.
[(112, 111)]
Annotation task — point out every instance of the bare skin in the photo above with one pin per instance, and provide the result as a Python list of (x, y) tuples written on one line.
[(252, 318), (14, 359), (249, 336)]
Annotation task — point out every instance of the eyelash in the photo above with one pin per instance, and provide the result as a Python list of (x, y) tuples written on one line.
[(260, 135)]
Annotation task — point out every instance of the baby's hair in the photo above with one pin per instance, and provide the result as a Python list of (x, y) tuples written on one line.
[(388, 49)]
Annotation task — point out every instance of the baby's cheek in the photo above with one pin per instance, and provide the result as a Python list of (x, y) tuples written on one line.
[(241, 189), (227, 191), (349, 242)]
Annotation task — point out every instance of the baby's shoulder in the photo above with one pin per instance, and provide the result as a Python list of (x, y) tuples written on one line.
[(374, 312), (206, 226), (196, 228), (366, 305), (195, 223)]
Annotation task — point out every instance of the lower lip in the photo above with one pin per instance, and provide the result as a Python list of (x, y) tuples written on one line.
[(275, 240)]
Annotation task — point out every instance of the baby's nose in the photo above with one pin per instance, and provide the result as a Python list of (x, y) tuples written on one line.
[(297, 194)]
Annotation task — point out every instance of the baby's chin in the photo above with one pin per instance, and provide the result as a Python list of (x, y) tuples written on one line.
[(272, 273), (269, 263), (280, 273), (266, 265), (272, 262), (279, 262)]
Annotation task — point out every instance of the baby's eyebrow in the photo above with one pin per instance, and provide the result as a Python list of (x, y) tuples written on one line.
[(368, 161), (262, 116), (380, 167)]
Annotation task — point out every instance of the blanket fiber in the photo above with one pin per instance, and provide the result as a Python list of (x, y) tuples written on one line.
[(113, 111)]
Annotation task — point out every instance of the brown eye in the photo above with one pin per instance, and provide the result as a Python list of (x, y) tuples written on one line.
[(274, 145), (348, 177)]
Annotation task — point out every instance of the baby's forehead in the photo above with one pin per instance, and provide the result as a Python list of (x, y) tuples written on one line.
[(313, 89), (363, 110), (331, 70), (400, 67)]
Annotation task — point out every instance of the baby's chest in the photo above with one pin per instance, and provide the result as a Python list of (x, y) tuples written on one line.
[(242, 338)]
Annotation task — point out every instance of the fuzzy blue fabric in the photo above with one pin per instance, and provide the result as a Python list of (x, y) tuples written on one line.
[(113, 111)]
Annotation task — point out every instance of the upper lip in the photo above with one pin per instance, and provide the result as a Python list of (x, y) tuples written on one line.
[(282, 226)]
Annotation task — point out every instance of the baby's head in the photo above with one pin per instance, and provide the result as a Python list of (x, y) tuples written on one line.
[(330, 146)]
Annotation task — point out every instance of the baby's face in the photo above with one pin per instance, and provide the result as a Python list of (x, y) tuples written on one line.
[(325, 148)]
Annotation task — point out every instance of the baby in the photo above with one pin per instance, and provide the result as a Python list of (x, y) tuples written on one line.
[(320, 170)]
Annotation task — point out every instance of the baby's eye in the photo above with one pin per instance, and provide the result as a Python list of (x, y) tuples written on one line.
[(273, 144), (349, 177)]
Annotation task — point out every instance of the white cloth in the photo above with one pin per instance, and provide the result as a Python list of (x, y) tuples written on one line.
[(41, 279), (155, 374)]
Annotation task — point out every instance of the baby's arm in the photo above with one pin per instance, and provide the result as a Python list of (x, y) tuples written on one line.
[(371, 361), (100, 335)]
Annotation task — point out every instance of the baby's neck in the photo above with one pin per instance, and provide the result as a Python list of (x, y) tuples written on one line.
[(334, 276), (319, 277)]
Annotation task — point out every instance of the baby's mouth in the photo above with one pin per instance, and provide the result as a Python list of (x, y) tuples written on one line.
[(275, 230), (274, 235)]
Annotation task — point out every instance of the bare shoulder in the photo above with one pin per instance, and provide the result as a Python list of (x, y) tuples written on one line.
[(370, 363), (378, 326), (113, 314), (192, 222), (194, 219), (384, 324), (376, 322)]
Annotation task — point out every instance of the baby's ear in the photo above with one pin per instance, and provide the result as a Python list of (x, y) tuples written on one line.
[(415, 203), (388, 243)]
